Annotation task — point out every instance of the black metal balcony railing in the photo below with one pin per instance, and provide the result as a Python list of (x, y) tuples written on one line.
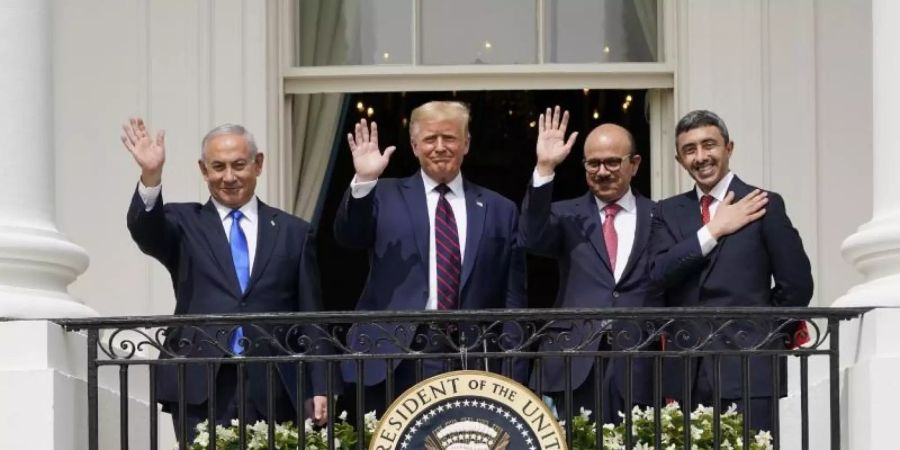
[(515, 336)]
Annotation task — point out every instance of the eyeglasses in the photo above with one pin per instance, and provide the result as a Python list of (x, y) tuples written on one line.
[(612, 164)]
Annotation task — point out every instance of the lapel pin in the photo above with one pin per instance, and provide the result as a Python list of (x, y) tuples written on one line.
[(272, 222), (480, 205)]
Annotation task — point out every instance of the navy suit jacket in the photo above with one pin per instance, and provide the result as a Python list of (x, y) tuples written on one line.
[(391, 222), (190, 241), (571, 232), (762, 264)]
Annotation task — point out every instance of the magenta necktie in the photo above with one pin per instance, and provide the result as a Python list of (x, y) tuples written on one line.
[(609, 233), (449, 261)]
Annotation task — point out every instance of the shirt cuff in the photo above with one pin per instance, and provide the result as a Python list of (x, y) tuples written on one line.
[(361, 189), (149, 194), (707, 241), (537, 180)]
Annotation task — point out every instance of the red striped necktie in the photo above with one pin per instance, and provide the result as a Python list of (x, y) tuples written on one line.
[(610, 237), (705, 201), (449, 261)]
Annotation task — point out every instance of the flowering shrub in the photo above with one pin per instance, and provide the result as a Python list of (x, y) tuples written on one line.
[(584, 431), (584, 434), (286, 435)]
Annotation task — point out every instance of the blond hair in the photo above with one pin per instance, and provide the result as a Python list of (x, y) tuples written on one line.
[(439, 110)]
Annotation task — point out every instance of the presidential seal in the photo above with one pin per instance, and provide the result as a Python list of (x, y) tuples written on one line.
[(468, 410)]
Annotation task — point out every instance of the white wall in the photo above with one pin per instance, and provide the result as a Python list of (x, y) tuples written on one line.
[(185, 66), (793, 82)]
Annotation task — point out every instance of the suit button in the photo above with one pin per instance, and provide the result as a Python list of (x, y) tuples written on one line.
[(243, 303), (615, 294)]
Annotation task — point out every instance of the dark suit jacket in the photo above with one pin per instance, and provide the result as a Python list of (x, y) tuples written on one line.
[(189, 240), (739, 271), (392, 223), (571, 232)]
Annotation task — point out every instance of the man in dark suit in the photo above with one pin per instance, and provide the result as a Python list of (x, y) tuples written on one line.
[(600, 242), (436, 242), (725, 243), (233, 254)]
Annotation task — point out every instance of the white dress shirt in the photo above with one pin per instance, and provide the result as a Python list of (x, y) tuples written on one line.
[(625, 222), (249, 223), (457, 199), (718, 192)]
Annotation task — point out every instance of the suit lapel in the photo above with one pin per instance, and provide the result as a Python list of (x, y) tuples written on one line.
[(267, 234), (476, 209), (218, 245), (593, 228), (641, 233), (413, 192), (689, 214)]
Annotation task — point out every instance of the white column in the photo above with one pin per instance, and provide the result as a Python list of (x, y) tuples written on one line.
[(37, 263), (875, 247), (869, 356)]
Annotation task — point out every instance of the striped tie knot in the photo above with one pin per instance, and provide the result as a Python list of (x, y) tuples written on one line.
[(442, 189), (611, 210)]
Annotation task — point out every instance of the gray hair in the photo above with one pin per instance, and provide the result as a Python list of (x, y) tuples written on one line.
[(229, 128), (701, 118)]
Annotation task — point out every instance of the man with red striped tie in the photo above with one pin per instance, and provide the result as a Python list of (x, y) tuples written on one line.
[(726, 243), (436, 242)]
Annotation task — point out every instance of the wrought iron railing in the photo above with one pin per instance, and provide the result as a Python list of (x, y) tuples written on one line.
[(501, 340)]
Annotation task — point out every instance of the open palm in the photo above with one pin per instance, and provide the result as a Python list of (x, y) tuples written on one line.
[(552, 147), (149, 153), (368, 161)]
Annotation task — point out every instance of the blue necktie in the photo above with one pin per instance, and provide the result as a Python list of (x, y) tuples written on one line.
[(240, 255)]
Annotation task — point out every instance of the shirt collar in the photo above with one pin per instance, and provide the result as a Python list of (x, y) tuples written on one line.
[(250, 210), (719, 190), (627, 202), (455, 185)]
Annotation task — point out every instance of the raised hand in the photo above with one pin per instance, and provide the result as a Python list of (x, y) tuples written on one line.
[(368, 160), (150, 154), (552, 147), (731, 217)]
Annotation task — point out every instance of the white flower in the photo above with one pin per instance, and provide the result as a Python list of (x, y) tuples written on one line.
[(343, 416), (586, 413)]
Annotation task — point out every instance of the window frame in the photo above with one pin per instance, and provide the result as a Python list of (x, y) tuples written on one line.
[(658, 77)]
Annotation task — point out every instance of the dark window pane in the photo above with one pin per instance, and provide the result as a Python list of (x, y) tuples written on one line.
[(501, 158)]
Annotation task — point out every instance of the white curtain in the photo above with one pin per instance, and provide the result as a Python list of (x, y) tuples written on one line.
[(647, 16), (646, 11), (328, 32)]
